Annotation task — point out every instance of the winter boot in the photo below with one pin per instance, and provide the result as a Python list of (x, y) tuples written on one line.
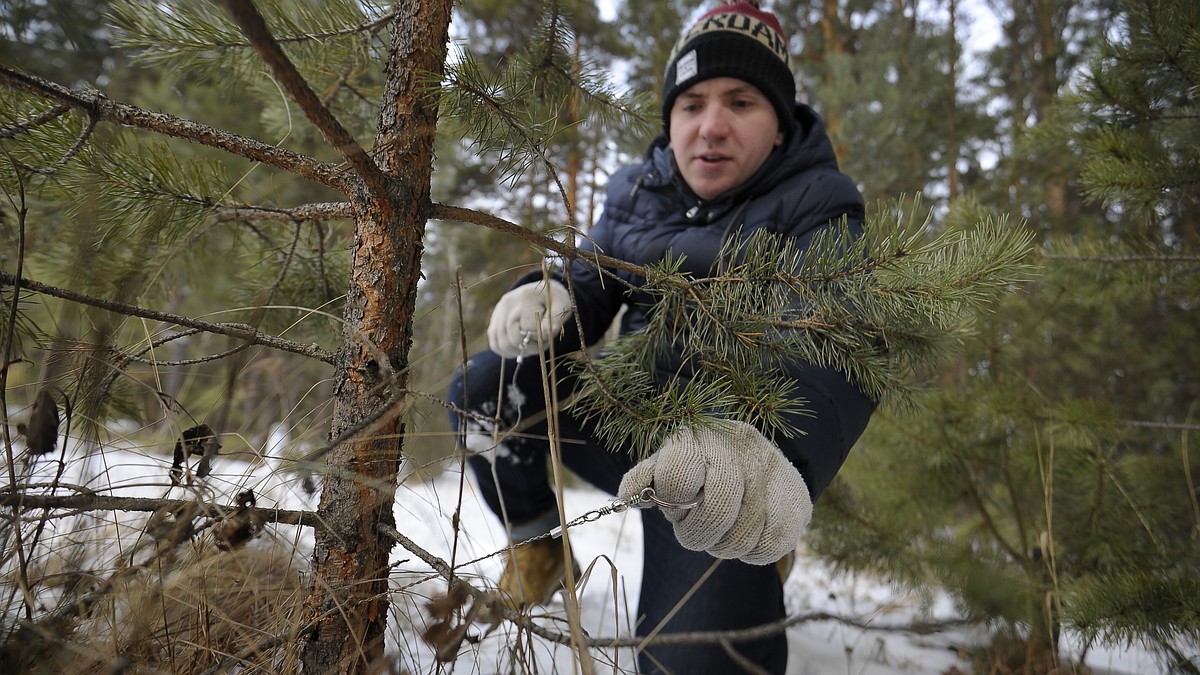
[(533, 573)]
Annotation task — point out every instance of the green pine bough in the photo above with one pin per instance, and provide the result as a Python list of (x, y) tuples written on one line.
[(886, 309)]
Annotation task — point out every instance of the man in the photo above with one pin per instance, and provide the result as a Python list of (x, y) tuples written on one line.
[(737, 155)]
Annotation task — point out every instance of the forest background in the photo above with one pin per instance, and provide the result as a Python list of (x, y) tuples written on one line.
[(176, 218)]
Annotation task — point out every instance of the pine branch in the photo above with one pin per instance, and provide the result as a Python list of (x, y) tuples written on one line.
[(882, 311), (149, 188), (90, 501), (162, 36), (567, 249), (104, 109), (239, 331), (343, 210), (534, 99), (42, 118), (322, 211), (551, 65), (490, 109), (256, 30)]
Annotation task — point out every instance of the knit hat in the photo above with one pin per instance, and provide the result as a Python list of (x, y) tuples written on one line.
[(735, 40)]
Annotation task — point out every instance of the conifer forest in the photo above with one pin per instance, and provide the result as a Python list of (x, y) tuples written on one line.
[(244, 246)]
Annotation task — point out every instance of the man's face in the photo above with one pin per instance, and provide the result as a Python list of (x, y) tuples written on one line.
[(721, 132)]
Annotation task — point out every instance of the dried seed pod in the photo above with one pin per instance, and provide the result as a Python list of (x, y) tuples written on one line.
[(198, 440), (41, 434), (170, 526), (239, 527), (443, 634)]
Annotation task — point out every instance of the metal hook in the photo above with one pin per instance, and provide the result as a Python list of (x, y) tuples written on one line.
[(647, 497)]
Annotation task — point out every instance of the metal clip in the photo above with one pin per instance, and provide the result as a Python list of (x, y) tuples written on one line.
[(633, 501), (640, 500), (646, 498), (647, 495)]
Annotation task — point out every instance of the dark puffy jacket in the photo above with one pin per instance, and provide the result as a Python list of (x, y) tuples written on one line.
[(650, 212)]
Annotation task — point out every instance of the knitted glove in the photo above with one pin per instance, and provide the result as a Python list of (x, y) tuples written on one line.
[(754, 503), (523, 312)]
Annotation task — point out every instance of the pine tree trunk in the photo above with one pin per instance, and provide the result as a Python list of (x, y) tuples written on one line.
[(837, 41), (348, 603), (1047, 44), (953, 145)]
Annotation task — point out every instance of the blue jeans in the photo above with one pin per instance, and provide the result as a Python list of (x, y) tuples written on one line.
[(733, 596)]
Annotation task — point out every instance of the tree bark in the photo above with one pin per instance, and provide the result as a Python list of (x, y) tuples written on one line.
[(838, 40), (348, 603)]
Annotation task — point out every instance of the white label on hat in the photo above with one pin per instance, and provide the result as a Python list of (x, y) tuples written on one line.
[(685, 67)]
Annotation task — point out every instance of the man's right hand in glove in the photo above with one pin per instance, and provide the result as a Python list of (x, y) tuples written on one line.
[(528, 316)]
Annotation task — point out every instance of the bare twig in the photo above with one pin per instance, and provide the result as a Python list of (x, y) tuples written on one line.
[(372, 26), (235, 330), (774, 628), (344, 210), (14, 130), (1172, 426), (322, 211), (567, 249), (21, 208), (96, 502), (71, 152)]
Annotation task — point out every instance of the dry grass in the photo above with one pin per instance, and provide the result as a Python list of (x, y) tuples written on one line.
[(200, 611)]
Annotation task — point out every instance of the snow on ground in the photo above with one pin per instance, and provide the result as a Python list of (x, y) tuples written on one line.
[(612, 546), (609, 549)]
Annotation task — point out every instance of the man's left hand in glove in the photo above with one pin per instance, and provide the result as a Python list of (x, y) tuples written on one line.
[(754, 505)]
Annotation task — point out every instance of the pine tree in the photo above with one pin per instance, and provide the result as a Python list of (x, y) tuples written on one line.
[(1049, 485), (362, 81), (372, 87), (138, 191), (1043, 45), (886, 78), (1138, 134), (1138, 113)]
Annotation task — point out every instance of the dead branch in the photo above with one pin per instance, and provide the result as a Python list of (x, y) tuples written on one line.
[(344, 211), (93, 502), (567, 249), (322, 211), (14, 130), (234, 330)]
